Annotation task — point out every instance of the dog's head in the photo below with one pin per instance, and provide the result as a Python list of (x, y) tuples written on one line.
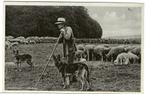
[(57, 60)]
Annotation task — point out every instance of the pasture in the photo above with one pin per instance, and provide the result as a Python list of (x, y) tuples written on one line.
[(104, 76)]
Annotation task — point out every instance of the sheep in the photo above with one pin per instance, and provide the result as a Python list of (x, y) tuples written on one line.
[(122, 58), (8, 38), (126, 58), (7, 44), (31, 42), (10, 45), (81, 47), (101, 50), (112, 54), (136, 51), (133, 58), (89, 48), (129, 48), (14, 44)]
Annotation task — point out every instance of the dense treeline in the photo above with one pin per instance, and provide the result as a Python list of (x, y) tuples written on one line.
[(39, 21)]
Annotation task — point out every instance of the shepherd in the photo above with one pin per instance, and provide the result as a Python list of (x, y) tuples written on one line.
[(67, 38)]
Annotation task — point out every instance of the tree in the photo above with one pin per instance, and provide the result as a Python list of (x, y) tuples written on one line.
[(39, 21)]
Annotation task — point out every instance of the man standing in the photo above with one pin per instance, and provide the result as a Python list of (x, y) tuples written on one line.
[(67, 38)]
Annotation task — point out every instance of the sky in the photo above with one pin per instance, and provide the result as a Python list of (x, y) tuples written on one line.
[(117, 21)]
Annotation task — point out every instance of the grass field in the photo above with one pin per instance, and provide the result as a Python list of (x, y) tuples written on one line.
[(104, 76)]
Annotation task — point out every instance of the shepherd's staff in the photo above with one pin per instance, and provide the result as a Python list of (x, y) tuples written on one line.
[(48, 60)]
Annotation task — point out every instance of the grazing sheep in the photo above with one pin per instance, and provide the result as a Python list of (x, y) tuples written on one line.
[(101, 51), (81, 47), (89, 48), (8, 38), (14, 44), (112, 54), (136, 51), (126, 58), (7, 44), (122, 59), (129, 48), (31, 42), (10, 45), (133, 58)]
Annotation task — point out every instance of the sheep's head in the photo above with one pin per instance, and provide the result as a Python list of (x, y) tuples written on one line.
[(115, 62), (16, 52)]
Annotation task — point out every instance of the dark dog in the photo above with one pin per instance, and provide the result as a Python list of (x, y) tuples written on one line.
[(78, 70), (22, 58)]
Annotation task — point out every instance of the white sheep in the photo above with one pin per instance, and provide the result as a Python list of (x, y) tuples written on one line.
[(7, 44), (136, 51), (133, 58), (89, 48), (114, 51), (126, 58), (122, 59), (101, 50), (129, 48)]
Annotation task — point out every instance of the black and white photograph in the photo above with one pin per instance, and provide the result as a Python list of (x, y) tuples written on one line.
[(92, 47)]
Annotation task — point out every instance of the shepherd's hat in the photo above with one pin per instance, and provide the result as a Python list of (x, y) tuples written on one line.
[(60, 21)]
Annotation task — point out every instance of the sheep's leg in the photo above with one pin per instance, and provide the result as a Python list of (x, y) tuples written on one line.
[(135, 61), (92, 56), (102, 58), (17, 66), (88, 54), (20, 66), (106, 59), (111, 58)]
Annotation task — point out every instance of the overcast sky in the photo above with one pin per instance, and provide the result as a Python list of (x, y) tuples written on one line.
[(117, 21)]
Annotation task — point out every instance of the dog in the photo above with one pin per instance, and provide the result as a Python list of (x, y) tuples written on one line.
[(22, 59), (78, 70)]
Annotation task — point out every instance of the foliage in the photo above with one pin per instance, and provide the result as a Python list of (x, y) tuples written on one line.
[(39, 21)]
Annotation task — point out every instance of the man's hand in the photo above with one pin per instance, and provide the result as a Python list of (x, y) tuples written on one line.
[(62, 31), (66, 34)]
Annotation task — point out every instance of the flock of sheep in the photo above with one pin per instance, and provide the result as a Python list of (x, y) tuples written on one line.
[(119, 55), (10, 41)]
